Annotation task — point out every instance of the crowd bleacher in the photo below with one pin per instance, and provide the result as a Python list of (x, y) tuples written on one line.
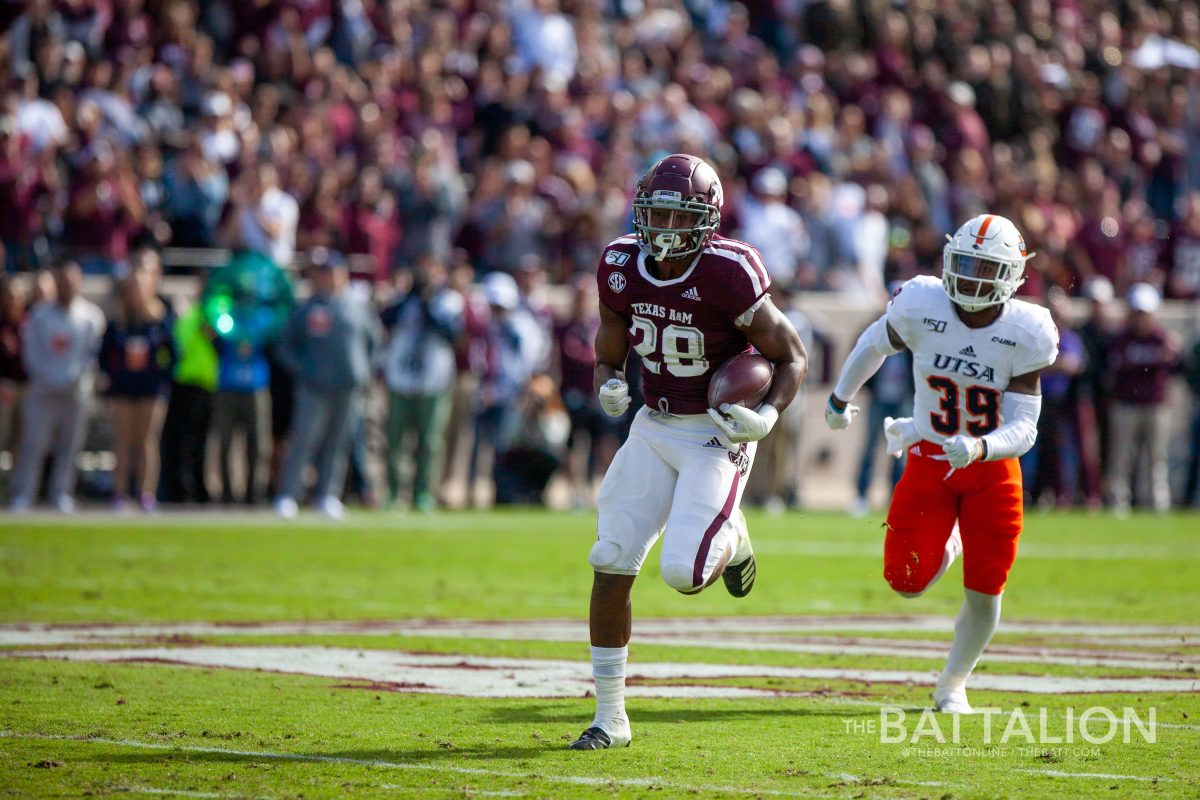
[(493, 145)]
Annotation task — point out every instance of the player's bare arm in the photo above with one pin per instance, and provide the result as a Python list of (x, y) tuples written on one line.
[(776, 338), (612, 346), (608, 379)]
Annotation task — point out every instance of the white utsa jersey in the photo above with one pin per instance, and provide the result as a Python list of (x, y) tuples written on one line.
[(961, 373)]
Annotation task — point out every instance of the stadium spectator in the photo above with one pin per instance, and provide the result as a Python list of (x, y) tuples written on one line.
[(329, 345), (423, 327), (534, 449), (58, 348), (196, 191), (773, 227), (137, 354), (1141, 359), (515, 346), (12, 371), (264, 217), (246, 303), (105, 211), (1191, 484), (1053, 462), (189, 409), (1093, 391), (592, 431)]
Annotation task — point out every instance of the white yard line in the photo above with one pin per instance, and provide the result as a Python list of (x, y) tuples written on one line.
[(1056, 773), (39, 634), (479, 676)]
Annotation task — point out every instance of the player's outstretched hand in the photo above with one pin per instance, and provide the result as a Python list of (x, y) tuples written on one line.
[(740, 424), (962, 451), (839, 420), (900, 434), (614, 397)]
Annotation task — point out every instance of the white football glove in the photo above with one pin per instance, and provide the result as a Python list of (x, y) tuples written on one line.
[(739, 424), (839, 420), (900, 434), (614, 397), (962, 451)]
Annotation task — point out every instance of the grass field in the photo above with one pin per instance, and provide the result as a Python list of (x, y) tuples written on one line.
[(445, 656)]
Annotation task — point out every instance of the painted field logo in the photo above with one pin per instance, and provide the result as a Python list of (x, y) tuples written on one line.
[(1094, 725)]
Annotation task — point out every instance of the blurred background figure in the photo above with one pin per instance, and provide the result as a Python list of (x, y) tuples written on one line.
[(423, 328), (1141, 359), (1053, 464), (533, 449), (516, 345), (12, 370), (777, 482), (59, 348), (189, 409), (1093, 391), (1191, 484), (329, 345), (264, 216), (246, 302), (137, 355), (594, 436)]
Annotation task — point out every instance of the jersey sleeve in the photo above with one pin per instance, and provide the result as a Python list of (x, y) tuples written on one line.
[(903, 310), (748, 284), (1038, 347), (613, 275)]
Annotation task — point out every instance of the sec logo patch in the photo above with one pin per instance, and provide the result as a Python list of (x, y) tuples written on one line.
[(616, 282)]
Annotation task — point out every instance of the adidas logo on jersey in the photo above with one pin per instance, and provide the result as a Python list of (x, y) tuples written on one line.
[(967, 351), (691, 293), (714, 442)]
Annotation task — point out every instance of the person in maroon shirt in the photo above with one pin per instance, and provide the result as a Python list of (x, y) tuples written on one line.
[(574, 338), (686, 300), (1140, 360), (12, 370), (106, 210)]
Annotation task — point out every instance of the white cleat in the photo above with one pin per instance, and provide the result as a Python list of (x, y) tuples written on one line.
[(64, 504), (286, 508), (952, 701), (329, 506)]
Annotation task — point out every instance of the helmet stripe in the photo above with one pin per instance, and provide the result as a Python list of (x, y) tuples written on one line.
[(983, 229)]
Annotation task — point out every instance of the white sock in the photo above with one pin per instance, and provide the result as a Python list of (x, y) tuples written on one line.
[(977, 621), (608, 668)]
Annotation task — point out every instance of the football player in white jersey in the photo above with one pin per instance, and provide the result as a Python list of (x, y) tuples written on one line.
[(977, 357)]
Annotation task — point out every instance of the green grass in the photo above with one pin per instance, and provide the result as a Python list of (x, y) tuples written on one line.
[(113, 729)]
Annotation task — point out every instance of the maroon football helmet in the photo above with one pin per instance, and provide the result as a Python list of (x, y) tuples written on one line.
[(677, 207)]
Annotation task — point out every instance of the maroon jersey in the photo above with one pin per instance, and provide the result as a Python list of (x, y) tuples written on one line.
[(685, 327)]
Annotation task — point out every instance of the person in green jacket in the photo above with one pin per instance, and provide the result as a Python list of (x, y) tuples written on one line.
[(185, 430)]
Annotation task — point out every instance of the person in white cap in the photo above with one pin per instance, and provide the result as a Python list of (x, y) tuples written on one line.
[(1140, 362), (773, 227)]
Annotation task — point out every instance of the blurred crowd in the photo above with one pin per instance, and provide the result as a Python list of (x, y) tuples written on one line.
[(850, 135), (471, 153)]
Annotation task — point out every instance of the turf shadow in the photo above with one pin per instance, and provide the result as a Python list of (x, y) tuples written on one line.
[(526, 714)]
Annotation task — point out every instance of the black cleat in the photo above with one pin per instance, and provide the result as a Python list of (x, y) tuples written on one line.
[(592, 739), (739, 578)]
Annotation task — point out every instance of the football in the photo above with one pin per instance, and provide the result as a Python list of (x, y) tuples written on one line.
[(742, 380)]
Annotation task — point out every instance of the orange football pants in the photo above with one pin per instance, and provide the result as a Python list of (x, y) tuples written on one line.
[(985, 498)]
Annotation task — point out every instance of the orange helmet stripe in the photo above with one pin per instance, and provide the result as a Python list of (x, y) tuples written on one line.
[(983, 229)]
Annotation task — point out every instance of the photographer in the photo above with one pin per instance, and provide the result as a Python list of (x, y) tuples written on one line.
[(419, 368)]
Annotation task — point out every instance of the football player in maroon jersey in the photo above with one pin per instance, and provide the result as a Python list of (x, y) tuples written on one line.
[(686, 299)]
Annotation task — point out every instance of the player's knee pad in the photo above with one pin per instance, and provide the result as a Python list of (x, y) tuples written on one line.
[(679, 576), (604, 555)]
